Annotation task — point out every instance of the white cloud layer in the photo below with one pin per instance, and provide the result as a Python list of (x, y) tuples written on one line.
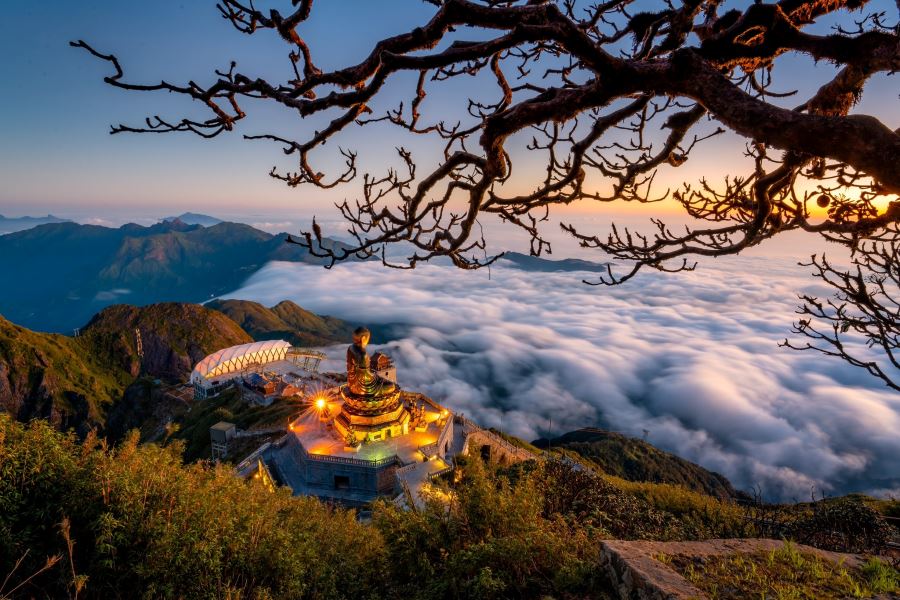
[(692, 358)]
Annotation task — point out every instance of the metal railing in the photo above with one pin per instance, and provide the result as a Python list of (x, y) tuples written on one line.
[(361, 462), (436, 474), (252, 457), (308, 360), (406, 469)]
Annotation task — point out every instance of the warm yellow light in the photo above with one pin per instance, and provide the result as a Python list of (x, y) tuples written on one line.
[(320, 403)]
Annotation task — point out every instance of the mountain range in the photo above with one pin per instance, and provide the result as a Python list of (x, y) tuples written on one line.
[(285, 321), (58, 275), (536, 264), (12, 224), (194, 219), (87, 381), (75, 381)]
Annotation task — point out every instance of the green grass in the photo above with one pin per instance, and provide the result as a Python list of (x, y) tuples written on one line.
[(517, 441), (62, 367), (701, 516), (783, 574), (888, 508), (636, 460)]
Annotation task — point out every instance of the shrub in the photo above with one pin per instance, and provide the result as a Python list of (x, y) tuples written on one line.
[(700, 516), (844, 525), (494, 540), (144, 525)]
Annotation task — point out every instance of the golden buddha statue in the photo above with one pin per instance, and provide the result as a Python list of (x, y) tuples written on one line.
[(362, 378), (372, 404)]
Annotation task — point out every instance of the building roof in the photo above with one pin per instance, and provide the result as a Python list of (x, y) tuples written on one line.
[(256, 379), (223, 426), (218, 362)]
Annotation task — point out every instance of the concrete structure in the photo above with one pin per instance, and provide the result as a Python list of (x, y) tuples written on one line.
[(635, 571), (220, 435), (313, 459), (218, 371)]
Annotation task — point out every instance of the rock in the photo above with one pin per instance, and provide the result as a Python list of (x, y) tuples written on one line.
[(635, 572)]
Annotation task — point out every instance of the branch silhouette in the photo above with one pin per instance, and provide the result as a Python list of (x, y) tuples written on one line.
[(609, 96)]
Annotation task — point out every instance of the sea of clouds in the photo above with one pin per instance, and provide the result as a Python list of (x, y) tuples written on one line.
[(691, 357)]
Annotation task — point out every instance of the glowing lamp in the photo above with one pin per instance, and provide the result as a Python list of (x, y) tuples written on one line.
[(320, 403)]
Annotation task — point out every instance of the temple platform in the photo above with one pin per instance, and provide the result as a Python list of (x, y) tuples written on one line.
[(314, 459), (368, 438)]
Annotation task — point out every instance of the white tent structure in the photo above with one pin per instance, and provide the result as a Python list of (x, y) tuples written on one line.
[(217, 369)]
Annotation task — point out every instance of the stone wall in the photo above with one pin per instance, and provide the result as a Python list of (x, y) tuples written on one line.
[(498, 449), (348, 475), (635, 573)]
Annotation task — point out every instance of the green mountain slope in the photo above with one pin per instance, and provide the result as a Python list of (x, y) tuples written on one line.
[(174, 335), (73, 270), (57, 378), (138, 522), (82, 382), (636, 460), (286, 320)]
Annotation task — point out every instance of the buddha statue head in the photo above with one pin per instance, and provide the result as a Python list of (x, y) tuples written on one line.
[(361, 336)]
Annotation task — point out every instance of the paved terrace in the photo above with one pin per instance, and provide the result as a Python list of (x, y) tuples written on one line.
[(418, 451), (321, 438)]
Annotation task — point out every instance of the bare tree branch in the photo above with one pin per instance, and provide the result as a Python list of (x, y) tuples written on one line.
[(863, 311), (607, 94)]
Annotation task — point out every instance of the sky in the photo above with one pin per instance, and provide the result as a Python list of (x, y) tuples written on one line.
[(57, 156)]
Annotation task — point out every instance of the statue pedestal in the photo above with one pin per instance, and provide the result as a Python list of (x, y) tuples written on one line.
[(373, 418)]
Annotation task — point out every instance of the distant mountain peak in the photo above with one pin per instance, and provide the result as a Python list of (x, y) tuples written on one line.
[(13, 224), (286, 320), (526, 262), (191, 218)]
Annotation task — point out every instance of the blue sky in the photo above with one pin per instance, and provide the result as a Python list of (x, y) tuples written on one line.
[(55, 111), (56, 154)]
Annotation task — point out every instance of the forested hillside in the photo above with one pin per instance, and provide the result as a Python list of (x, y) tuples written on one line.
[(636, 460), (285, 321)]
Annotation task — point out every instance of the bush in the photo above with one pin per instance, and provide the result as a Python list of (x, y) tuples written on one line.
[(700, 516), (144, 525), (495, 540), (133, 521), (843, 525), (585, 498)]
